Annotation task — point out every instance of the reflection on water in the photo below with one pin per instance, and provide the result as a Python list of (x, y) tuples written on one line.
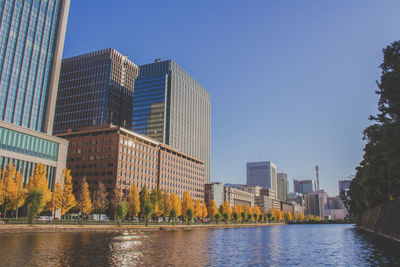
[(289, 245)]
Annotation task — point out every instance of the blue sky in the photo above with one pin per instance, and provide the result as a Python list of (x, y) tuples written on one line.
[(290, 81)]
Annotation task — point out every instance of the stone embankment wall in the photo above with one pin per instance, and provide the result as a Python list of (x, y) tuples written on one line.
[(114, 228), (383, 220)]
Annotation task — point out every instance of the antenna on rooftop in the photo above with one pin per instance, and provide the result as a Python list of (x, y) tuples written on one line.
[(317, 173)]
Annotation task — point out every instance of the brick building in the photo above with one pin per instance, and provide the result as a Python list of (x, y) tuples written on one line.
[(119, 158)]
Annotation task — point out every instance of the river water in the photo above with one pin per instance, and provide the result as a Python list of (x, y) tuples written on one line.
[(285, 245)]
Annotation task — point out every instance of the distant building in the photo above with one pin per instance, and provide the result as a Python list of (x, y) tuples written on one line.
[(335, 208), (286, 207), (119, 158), (262, 174), (237, 196), (267, 192), (173, 108), (31, 46), (95, 89), (344, 185), (316, 203), (214, 191), (252, 189), (237, 186), (297, 198), (265, 202), (283, 186), (304, 186)]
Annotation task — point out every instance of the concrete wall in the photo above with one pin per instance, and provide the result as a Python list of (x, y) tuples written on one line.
[(383, 220)]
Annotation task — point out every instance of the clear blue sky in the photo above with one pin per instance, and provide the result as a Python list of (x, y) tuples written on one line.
[(290, 81)]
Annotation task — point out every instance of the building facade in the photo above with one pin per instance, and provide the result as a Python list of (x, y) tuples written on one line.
[(316, 203), (95, 89), (214, 191), (236, 197), (283, 186), (252, 189), (118, 158), (304, 186), (171, 107), (262, 174), (25, 148), (31, 45)]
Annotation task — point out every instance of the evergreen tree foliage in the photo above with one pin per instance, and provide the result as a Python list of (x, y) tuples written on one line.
[(377, 178)]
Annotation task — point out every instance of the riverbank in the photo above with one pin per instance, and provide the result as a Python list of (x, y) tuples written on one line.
[(54, 228), (383, 220)]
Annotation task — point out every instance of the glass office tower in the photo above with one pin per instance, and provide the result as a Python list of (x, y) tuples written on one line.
[(31, 43), (171, 107), (32, 36), (262, 174), (95, 89)]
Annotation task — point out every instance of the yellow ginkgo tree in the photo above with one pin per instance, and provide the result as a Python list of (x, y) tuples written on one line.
[(12, 194), (38, 182)]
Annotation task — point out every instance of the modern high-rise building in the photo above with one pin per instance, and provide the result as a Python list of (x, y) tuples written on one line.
[(31, 45), (95, 89), (262, 174), (304, 186), (171, 107), (283, 186)]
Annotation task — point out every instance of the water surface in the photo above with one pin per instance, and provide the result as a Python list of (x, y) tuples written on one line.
[(286, 245)]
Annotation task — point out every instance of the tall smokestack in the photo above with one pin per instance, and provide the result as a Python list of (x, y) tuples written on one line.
[(316, 170)]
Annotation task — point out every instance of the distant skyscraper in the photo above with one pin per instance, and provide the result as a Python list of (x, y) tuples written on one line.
[(283, 186), (304, 186), (262, 174), (171, 107), (95, 89), (344, 185), (31, 46)]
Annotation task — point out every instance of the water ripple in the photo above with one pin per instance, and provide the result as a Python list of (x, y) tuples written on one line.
[(288, 245)]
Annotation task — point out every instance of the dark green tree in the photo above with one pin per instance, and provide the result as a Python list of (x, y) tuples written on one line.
[(189, 216), (122, 210), (235, 217), (226, 217), (147, 212), (34, 201), (377, 178), (172, 216), (217, 217)]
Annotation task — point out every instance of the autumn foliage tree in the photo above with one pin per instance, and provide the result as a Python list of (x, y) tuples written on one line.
[(165, 204), (256, 213), (187, 203), (64, 199), (204, 209), (100, 201), (197, 209), (84, 202), (212, 209), (13, 194), (38, 181), (176, 208), (133, 201)]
